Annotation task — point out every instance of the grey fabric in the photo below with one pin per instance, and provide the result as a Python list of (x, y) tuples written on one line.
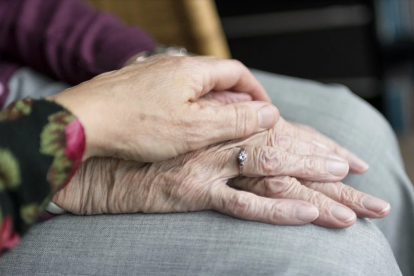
[(339, 114), (203, 243), (26, 83), (207, 243)]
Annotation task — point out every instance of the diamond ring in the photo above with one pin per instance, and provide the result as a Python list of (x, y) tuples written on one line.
[(241, 158)]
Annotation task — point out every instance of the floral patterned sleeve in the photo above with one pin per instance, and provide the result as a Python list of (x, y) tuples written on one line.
[(41, 146)]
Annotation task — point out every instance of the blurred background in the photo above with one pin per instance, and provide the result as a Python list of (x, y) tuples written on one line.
[(367, 45)]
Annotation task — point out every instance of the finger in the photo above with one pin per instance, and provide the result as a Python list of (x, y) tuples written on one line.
[(362, 204), (268, 161), (248, 206), (309, 134), (230, 75), (231, 121), (299, 147), (331, 213)]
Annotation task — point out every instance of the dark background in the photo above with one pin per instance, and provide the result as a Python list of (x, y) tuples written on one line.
[(365, 45)]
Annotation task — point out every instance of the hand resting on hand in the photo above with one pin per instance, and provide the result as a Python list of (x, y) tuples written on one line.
[(200, 180)]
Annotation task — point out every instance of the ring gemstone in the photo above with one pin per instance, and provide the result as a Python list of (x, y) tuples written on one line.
[(242, 156)]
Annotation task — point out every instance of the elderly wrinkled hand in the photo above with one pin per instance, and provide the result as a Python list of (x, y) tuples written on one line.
[(200, 180), (295, 137), (148, 111)]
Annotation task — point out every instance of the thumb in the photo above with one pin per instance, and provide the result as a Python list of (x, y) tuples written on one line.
[(239, 120)]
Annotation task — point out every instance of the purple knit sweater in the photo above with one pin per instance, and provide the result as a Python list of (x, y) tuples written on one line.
[(64, 39)]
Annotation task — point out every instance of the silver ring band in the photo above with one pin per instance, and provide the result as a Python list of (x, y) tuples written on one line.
[(242, 157)]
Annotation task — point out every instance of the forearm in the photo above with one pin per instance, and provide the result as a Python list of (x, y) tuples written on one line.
[(40, 149), (44, 35)]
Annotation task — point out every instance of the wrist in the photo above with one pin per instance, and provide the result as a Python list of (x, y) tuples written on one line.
[(89, 146)]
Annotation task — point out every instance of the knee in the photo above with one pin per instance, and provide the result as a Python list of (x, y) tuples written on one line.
[(356, 107), (312, 250), (351, 120), (353, 117), (359, 250)]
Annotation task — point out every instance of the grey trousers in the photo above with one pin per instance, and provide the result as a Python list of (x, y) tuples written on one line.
[(208, 243)]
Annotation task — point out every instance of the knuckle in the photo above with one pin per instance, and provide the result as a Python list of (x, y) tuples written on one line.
[(244, 119), (277, 186), (269, 160), (240, 205), (317, 199), (280, 212), (347, 195), (312, 166)]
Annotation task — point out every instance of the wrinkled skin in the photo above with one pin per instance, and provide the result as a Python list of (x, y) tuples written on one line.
[(148, 111), (298, 138), (200, 180), (269, 191)]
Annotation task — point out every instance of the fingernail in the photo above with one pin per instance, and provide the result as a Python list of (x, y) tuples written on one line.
[(342, 214), (357, 162), (267, 116), (306, 213), (374, 204), (337, 168)]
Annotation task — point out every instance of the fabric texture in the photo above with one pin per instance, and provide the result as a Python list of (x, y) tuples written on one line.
[(202, 243), (64, 39), (7, 70), (26, 80), (338, 113), (208, 243), (41, 147)]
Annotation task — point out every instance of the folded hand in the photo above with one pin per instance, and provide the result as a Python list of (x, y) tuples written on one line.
[(200, 180)]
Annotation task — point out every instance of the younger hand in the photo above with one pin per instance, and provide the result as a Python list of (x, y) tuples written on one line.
[(148, 111)]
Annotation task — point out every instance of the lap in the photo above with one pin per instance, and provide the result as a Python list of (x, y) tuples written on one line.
[(202, 243), (341, 115), (208, 243)]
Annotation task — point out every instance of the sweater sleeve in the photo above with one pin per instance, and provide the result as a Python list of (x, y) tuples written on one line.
[(67, 39), (41, 147)]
